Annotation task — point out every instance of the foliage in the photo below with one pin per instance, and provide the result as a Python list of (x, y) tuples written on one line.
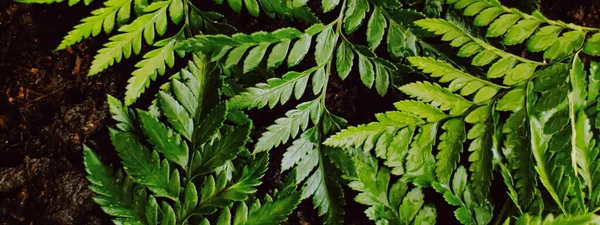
[(479, 113), (310, 121), (131, 23), (528, 120), (199, 165)]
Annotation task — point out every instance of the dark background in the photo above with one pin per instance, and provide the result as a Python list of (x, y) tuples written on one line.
[(49, 108)]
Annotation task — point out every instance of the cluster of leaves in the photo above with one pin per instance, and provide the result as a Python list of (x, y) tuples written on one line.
[(334, 53), (135, 22), (531, 122), (186, 169)]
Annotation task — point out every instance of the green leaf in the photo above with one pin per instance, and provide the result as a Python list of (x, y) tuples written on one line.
[(273, 212), (325, 45), (252, 7), (365, 68), (427, 216), (299, 149), (129, 40), (513, 101), (519, 157), (235, 56), (425, 111), (372, 135), (254, 57), (501, 25), (101, 19), (376, 28), (437, 96), (164, 140), (299, 50), (121, 114), (543, 38), (278, 54), (328, 5), (481, 151), (551, 77), (592, 45), (382, 79), (519, 73), (142, 165), (222, 150), (420, 161), (411, 204), (115, 193), (210, 123), (344, 60), (274, 7), (521, 31), (155, 63), (296, 120), (327, 194), (466, 83), (276, 90), (220, 195), (355, 14), (566, 44), (450, 148)]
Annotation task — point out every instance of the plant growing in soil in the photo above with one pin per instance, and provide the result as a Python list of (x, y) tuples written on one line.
[(203, 167), (529, 119), (136, 22)]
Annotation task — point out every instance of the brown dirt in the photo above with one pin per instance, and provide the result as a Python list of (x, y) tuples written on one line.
[(49, 108)]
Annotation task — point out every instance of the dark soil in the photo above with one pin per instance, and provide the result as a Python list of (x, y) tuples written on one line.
[(49, 108)]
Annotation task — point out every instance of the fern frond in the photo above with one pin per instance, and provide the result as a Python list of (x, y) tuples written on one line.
[(272, 8), (423, 110), (514, 69), (519, 158), (420, 161), (233, 48), (120, 113), (327, 193), (144, 166), (275, 91), (266, 213), (373, 70), (481, 149), (298, 152), (218, 193), (355, 14), (437, 96), (459, 81), (130, 39), (296, 120), (164, 139), (585, 151), (541, 33), (549, 152), (470, 212), (117, 195), (154, 63), (391, 204), (217, 153), (101, 19), (450, 148), (374, 135)]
